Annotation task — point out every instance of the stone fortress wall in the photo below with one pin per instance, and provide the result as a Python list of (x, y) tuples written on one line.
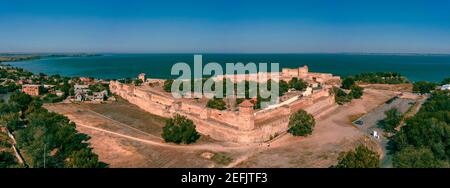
[(244, 125)]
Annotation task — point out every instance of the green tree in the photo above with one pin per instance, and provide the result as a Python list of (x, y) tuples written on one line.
[(392, 120), (168, 85), (423, 87), (15, 123), (340, 96), (284, 87), (423, 140), (381, 78), (446, 81), (21, 99), (84, 158), (348, 82), (411, 157), (301, 123), (361, 157), (216, 103), (7, 160), (297, 84), (180, 129), (52, 137), (356, 91), (138, 82)]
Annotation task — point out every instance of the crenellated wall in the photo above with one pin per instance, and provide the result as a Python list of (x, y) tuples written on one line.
[(242, 126)]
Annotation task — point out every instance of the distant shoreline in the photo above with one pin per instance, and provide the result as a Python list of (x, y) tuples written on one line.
[(15, 57), (115, 66)]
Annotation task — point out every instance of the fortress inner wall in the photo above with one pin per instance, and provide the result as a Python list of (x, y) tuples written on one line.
[(226, 125)]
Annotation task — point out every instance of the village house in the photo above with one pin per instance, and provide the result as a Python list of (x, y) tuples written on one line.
[(83, 93), (85, 79), (30, 89)]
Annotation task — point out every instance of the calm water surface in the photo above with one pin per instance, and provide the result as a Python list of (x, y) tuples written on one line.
[(415, 67)]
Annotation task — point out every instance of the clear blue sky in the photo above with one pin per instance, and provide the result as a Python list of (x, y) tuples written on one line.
[(405, 26)]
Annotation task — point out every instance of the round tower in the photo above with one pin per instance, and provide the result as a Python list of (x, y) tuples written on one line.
[(246, 115)]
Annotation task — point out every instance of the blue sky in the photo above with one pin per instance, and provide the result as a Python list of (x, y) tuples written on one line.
[(278, 26)]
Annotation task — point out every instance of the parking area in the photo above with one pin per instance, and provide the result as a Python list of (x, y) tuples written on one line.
[(369, 123)]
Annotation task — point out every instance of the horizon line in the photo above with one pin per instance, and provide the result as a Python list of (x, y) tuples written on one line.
[(343, 53)]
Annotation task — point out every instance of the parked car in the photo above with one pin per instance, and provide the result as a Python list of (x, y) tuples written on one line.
[(359, 122)]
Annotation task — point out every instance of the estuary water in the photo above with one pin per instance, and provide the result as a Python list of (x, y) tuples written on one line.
[(113, 66)]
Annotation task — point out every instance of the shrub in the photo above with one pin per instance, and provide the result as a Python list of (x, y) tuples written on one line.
[(179, 129), (168, 85), (356, 92), (216, 103), (7, 160), (411, 157), (138, 82), (301, 123), (423, 87), (361, 157), (297, 84), (392, 120), (347, 82), (340, 97)]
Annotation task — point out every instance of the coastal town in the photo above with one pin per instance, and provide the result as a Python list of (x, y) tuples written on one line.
[(319, 117)]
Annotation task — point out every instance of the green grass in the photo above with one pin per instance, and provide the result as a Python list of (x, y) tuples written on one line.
[(222, 159)]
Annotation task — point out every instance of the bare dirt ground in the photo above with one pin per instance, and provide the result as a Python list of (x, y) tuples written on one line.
[(333, 134), (125, 136), (390, 87)]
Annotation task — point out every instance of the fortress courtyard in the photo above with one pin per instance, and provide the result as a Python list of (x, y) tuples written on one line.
[(126, 135), (123, 135)]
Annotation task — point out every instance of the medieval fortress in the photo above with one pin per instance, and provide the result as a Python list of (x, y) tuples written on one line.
[(238, 123)]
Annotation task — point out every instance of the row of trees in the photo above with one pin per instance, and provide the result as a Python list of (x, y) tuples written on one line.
[(283, 86), (423, 87), (218, 103), (381, 78), (43, 135), (424, 140)]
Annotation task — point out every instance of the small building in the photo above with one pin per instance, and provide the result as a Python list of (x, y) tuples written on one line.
[(48, 86), (141, 77), (59, 93), (445, 87), (85, 79), (30, 89), (307, 92), (79, 97)]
